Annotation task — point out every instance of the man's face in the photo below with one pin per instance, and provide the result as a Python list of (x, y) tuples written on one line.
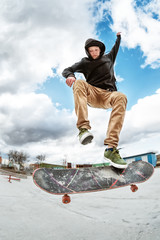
[(94, 51)]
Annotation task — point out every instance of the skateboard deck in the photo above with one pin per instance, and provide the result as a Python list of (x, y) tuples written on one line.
[(91, 179)]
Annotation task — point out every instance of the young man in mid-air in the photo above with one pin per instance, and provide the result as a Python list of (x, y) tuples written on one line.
[(98, 91)]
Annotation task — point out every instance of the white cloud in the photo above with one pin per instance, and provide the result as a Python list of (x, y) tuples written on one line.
[(31, 117), (38, 35), (142, 125), (144, 117), (31, 123), (141, 129), (119, 78), (141, 121), (139, 27)]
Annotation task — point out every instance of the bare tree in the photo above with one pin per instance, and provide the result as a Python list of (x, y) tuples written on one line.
[(17, 157), (40, 158)]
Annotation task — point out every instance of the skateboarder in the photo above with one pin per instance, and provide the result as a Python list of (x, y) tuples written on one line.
[(98, 91)]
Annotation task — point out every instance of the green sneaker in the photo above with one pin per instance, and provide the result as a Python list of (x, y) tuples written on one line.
[(85, 136), (112, 155)]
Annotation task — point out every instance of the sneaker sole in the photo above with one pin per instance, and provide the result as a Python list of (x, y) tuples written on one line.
[(86, 139), (115, 165)]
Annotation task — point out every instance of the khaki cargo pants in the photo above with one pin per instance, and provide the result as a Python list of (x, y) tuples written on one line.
[(86, 94)]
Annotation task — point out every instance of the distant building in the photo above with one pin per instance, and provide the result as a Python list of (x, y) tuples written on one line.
[(83, 165), (148, 157), (46, 165)]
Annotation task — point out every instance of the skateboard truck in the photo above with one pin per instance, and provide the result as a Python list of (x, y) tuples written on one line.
[(66, 199)]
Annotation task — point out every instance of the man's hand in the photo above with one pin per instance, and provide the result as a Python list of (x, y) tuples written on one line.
[(70, 81), (119, 33)]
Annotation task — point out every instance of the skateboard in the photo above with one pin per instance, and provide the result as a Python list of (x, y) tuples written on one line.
[(91, 179)]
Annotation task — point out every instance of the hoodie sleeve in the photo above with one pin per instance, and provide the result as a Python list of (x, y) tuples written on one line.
[(77, 67), (113, 53)]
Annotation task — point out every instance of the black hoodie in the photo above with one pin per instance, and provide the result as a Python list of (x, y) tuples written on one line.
[(98, 72)]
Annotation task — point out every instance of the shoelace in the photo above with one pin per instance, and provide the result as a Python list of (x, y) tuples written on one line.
[(82, 130), (115, 150)]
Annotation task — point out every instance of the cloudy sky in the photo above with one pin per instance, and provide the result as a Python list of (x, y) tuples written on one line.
[(39, 38)]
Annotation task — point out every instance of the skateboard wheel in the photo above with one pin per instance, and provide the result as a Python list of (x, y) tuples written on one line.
[(66, 199), (134, 188)]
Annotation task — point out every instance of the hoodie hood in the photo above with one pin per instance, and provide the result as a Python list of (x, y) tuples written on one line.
[(93, 42)]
